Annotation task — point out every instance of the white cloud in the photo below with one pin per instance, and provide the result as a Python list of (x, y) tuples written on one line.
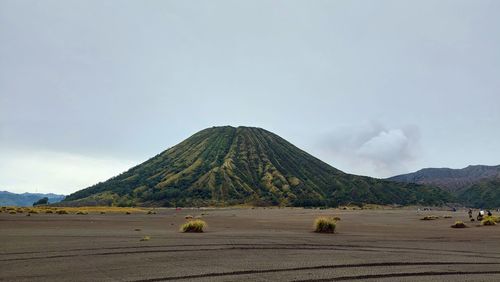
[(54, 172), (387, 146), (371, 149)]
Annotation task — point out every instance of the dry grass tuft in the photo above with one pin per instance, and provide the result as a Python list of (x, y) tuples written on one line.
[(12, 212), (82, 212), (49, 211), (459, 224), (145, 238), (447, 216), (61, 212), (127, 212), (196, 225), (325, 224), (188, 217), (151, 212), (488, 221), (495, 218), (430, 217)]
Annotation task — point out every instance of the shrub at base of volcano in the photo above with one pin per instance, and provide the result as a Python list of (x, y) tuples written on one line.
[(459, 224), (488, 221), (195, 226), (325, 224)]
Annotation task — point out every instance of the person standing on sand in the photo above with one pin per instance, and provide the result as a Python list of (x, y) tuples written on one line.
[(480, 215), (470, 214)]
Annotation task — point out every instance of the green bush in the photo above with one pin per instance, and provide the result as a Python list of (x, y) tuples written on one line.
[(325, 224), (196, 225)]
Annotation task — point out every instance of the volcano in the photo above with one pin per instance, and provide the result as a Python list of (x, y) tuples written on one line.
[(224, 166)]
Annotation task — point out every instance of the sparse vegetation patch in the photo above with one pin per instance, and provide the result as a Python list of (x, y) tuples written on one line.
[(325, 224), (196, 226), (459, 224), (488, 221), (430, 217)]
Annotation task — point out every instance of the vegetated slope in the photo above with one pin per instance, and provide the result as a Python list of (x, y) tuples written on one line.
[(245, 165), (453, 180), (26, 199), (484, 194)]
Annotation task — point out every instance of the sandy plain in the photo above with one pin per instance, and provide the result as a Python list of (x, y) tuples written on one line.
[(247, 245)]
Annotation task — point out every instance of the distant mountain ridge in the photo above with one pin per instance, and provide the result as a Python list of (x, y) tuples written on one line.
[(475, 185), (26, 199), (245, 165), (450, 179)]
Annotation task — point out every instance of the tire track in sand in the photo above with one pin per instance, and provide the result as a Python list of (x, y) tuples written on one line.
[(337, 266)]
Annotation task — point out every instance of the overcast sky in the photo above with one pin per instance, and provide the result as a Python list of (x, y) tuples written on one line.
[(378, 88)]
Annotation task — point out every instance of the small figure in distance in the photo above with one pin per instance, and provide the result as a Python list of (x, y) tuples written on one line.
[(480, 215), (489, 213), (470, 215)]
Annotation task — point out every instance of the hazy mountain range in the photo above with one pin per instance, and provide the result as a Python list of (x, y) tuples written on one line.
[(475, 185), (26, 199), (246, 165)]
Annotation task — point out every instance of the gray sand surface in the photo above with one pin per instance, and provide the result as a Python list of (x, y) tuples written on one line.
[(247, 245)]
